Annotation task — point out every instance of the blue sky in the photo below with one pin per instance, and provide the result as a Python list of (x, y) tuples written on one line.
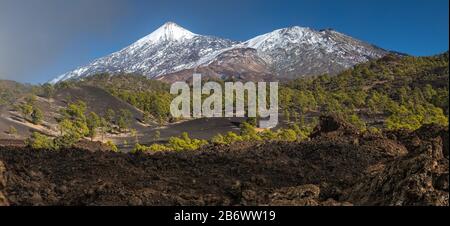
[(42, 39)]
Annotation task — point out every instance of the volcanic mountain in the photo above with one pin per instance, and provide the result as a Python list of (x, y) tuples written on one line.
[(172, 52)]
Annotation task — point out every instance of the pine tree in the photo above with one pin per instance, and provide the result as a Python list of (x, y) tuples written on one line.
[(93, 123), (36, 116)]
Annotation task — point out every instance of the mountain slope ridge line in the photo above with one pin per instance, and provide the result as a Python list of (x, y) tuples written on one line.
[(288, 52)]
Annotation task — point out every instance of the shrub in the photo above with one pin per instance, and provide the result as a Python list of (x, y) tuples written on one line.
[(12, 131), (218, 139), (73, 122), (375, 130), (302, 133), (125, 119), (357, 122), (268, 135), (233, 138), (229, 138), (414, 117), (138, 148), (248, 132), (185, 143), (110, 116), (41, 142), (93, 121), (158, 147), (36, 116), (112, 146), (71, 132), (288, 135), (182, 143), (25, 110)]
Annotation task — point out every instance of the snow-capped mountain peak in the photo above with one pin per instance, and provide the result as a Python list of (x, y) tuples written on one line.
[(300, 51), (289, 52), (296, 34), (168, 49), (168, 32)]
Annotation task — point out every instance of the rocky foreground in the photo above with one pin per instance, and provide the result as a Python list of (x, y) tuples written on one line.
[(338, 166)]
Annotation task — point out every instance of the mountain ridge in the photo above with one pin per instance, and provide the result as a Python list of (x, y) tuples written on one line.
[(287, 52)]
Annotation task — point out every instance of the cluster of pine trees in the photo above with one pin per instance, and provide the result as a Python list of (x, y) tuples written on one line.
[(248, 133), (404, 92), (391, 93), (75, 123)]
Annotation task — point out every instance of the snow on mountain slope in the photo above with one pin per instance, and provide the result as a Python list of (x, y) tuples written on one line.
[(168, 32), (299, 51), (168, 49), (288, 53)]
